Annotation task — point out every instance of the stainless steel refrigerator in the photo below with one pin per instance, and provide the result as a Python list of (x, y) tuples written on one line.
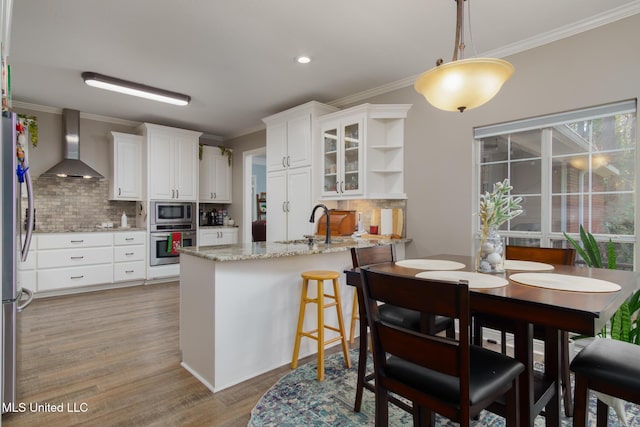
[(14, 172)]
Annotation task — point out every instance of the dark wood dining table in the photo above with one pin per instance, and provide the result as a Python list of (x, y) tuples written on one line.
[(580, 312)]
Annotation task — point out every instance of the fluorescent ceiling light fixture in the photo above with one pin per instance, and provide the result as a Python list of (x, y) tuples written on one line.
[(303, 59), (463, 84), (135, 89)]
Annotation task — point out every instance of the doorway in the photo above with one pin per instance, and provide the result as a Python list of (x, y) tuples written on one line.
[(254, 183)]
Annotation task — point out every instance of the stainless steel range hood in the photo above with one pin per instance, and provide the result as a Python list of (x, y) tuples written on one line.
[(71, 165)]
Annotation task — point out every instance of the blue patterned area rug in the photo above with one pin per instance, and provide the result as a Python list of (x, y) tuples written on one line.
[(298, 399)]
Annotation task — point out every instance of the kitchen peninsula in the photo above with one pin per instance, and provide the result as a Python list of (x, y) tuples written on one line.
[(239, 304)]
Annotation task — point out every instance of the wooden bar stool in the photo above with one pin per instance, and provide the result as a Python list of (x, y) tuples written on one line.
[(318, 334)]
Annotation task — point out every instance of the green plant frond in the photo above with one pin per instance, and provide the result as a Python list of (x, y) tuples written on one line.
[(595, 251), (611, 256), (587, 248), (625, 322), (578, 249), (634, 302), (616, 329)]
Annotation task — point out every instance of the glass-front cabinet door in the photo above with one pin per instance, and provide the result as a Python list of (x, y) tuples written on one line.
[(342, 156), (330, 156)]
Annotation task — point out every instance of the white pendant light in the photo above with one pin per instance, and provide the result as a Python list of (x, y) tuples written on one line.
[(135, 89), (463, 84)]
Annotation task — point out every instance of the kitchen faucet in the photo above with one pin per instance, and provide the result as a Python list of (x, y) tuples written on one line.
[(327, 238)]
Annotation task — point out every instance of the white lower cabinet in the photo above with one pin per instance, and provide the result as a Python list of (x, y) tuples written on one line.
[(217, 236), (71, 260), (72, 277), (129, 256)]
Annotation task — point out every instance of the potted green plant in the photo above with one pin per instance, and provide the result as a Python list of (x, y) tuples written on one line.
[(625, 323)]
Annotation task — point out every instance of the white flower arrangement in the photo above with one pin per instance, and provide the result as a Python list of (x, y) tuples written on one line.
[(498, 207)]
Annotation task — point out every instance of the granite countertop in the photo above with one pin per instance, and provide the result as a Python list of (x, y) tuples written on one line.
[(206, 227), (44, 229), (265, 250)]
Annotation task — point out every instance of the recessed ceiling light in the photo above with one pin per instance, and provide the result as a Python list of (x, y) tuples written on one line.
[(303, 59)]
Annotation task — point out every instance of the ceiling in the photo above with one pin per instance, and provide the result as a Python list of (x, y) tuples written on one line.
[(236, 58)]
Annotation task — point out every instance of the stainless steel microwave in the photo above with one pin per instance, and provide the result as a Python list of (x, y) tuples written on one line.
[(167, 216)]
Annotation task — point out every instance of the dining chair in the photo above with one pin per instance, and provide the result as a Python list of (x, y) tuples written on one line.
[(392, 314), (437, 374), (607, 366), (558, 256)]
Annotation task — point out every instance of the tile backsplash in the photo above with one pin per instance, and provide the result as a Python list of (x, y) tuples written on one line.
[(68, 204)]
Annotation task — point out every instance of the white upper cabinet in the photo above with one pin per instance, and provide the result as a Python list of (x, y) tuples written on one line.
[(290, 136), (215, 176), (342, 156), (125, 166), (361, 152), (172, 159)]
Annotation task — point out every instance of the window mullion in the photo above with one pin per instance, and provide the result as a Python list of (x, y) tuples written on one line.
[(545, 180)]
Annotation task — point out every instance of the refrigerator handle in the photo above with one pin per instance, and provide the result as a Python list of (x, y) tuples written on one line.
[(30, 216), (24, 305)]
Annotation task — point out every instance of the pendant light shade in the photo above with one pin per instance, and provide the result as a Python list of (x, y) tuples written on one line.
[(463, 84)]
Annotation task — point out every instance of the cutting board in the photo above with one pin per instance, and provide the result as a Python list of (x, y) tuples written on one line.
[(397, 221)]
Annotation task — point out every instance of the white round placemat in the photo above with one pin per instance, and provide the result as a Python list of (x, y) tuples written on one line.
[(565, 282), (430, 264), (513, 264), (476, 280)]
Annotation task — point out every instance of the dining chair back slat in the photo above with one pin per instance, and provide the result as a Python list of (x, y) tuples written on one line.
[(560, 256), (372, 255)]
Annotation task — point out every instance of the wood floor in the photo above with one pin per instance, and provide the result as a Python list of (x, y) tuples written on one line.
[(113, 356)]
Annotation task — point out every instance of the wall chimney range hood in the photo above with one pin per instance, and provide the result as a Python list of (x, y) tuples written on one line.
[(71, 165)]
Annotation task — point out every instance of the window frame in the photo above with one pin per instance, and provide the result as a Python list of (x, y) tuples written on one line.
[(545, 123)]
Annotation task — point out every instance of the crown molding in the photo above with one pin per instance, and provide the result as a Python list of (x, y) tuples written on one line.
[(578, 27), (88, 116)]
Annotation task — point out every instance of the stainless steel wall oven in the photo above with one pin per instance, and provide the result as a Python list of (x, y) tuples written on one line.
[(168, 218)]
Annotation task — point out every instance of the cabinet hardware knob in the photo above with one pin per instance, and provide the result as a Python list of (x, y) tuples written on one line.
[(129, 253), (288, 210), (77, 241), (173, 194), (177, 194), (129, 271), (77, 277), (284, 206), (211, 196), (288, 161), (119, 191), (284, 164), (128, 238), (77, 257), (215, 195)]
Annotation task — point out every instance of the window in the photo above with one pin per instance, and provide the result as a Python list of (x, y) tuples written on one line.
[(571, 169)]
